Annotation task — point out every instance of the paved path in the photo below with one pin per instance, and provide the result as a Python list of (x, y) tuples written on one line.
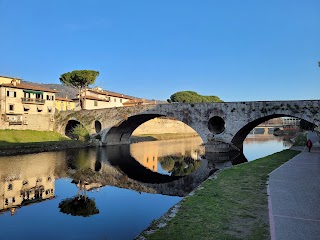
[(294, 198)]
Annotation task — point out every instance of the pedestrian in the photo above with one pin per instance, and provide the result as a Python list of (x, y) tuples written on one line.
[(309, 144)]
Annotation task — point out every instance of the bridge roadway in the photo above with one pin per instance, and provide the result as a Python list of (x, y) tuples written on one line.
[(222, 126)]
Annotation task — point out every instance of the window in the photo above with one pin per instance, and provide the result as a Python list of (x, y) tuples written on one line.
[(48, 97), (121, 100), (11, 107), (26, 107), (39, 96), (109, 98), (115, 99), (52, 98), (26, 94), (11, 94), (49, 109), (95, 103), (10, 186)]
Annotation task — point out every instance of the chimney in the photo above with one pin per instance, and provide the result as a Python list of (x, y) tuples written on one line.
[(14, 82)]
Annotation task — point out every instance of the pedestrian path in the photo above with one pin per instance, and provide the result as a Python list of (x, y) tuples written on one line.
[(294, 198)]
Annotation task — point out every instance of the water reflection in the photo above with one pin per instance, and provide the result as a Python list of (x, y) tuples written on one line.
[(26, 180), (107, 185), (80, 205), (257, 146), (153, 154)]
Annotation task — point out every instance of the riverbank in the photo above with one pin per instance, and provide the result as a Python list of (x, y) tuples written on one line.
[(17, 142), (38, 147), (233, 204)]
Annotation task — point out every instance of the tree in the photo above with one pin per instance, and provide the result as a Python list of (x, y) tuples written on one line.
[(79, 79), (192, 97)]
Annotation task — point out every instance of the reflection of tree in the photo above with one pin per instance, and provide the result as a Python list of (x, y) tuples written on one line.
[(179, 165), (80, 205), (78, 159)]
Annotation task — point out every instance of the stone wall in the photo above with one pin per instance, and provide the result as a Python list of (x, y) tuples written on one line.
[(162, 125), (30, 122)]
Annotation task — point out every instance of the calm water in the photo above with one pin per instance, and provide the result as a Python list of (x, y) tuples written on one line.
[(108, 193)]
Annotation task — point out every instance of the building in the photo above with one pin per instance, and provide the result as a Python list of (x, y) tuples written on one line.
[(97, 98), (291, 121), (64, 104), (25, 106)]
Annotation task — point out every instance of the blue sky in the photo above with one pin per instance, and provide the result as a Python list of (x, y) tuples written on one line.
[(237, 50)]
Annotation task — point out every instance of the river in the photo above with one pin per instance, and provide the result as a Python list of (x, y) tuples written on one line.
[(105, 193)]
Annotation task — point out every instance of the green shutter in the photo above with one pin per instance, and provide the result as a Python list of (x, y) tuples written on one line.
[(33, 91)]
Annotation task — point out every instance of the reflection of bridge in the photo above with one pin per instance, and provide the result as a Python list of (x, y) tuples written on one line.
[(222, 126)]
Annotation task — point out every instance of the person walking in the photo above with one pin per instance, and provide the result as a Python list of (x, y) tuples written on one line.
[(309, 144), (312, 139)]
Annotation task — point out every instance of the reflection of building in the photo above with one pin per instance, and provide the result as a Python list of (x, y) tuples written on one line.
[(24, 105), (26, 180), (21, 192), (147, 153)]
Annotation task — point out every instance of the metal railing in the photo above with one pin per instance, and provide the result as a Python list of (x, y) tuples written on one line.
[(33, 100)]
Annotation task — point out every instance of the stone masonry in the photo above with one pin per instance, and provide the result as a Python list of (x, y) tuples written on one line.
[(222, 126)]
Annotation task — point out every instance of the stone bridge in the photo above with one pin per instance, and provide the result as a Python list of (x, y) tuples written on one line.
[(222, 126)]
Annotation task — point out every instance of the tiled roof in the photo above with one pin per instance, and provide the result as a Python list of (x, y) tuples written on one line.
[(29, 87), (64, 99), (138, 101), (112, 94), (10, 77), (93, 98)]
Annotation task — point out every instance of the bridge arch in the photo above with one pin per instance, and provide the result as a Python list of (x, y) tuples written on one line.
[(71, 124), (97, 126), (241, 135), (121, 132)]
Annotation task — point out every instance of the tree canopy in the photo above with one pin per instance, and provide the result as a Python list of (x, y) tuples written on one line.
[(79, 79), (192, 97)]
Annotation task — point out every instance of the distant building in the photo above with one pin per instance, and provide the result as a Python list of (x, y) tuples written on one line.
[(97, 98), (64, 104), (290, 121), (25, 106)]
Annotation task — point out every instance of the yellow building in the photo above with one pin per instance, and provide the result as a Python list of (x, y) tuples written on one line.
[(25, 106), (64, 104)]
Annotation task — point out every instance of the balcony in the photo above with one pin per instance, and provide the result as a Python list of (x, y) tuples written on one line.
[(33, 100)]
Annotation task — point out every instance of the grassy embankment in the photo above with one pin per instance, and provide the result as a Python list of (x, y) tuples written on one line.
[(15, 137), (232, 206), (14, 142)]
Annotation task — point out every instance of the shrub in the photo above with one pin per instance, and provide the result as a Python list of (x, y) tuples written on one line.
[(80, 132)]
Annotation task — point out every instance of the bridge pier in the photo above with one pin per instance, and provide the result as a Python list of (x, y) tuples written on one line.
[(213, 147)]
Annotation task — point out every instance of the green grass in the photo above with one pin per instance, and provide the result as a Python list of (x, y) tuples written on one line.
[(17, 137), (233, 206), (300, 139)]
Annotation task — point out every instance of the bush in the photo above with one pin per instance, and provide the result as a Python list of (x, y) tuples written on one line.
[(80, 132)]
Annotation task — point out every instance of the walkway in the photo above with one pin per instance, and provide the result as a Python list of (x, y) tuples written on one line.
[(294, 198)]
